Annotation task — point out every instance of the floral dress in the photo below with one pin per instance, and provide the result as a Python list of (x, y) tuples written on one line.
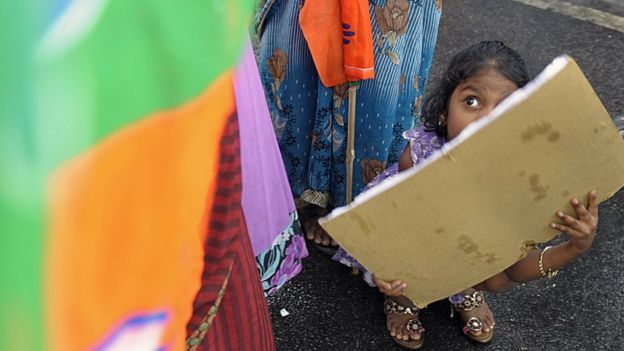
[(310, 120), (422, 145)]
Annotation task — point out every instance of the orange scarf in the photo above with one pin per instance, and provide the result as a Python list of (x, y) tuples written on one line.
[(339, 36)]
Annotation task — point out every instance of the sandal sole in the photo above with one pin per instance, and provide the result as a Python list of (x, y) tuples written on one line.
[(481, 340), (407, 344)]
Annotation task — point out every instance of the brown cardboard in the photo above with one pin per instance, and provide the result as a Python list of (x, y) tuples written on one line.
[(471, 212)]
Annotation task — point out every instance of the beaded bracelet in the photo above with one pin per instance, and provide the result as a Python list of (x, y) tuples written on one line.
[(550, 274)]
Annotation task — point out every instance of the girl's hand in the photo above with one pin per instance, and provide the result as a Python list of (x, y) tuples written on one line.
[(393, 288), (581, 229)]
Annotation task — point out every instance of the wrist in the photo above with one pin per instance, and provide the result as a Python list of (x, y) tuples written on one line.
[(574, 250), (551, 272)]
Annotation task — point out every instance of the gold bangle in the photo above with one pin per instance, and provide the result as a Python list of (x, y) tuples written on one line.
[(540, 264)]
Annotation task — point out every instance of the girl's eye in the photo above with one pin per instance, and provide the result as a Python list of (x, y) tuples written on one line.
[(472, 101)]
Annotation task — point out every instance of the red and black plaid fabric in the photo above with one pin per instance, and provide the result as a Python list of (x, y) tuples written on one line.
[(242, 319)]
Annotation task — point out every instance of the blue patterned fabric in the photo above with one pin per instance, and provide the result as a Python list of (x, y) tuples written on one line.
[(310, 119)]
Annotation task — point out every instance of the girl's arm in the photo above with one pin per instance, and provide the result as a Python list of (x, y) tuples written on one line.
[(581, 232), (405, 161)]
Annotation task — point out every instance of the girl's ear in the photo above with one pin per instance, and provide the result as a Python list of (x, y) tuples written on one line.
[(442, 120)]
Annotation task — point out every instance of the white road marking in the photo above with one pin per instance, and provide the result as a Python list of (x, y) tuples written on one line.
[(601, 18)]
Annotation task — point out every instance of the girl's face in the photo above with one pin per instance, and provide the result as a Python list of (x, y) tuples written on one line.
[(474, 98)]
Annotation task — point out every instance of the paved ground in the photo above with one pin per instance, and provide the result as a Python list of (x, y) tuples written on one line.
[(333, 310)]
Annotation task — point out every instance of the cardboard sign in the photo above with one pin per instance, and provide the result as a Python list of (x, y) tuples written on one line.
[(481, 203)]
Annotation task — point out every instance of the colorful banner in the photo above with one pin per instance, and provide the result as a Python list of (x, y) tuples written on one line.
[(110, 120)]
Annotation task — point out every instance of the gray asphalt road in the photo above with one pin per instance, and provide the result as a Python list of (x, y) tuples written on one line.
[(332, 310)]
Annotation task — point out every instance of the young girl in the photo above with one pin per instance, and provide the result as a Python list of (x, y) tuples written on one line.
[(477, 79)]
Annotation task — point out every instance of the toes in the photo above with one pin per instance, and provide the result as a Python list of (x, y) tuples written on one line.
[(489, 323), (315, 233), (397, 328), (415, 336), (310, 229), (389, 326), (325, 239), (318, 237), (485, 321), (396, 332), (491, 319), (309, 234), (392, 326)]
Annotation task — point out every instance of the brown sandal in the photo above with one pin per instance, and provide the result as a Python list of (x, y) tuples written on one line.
[(466, 303), (413, 325)]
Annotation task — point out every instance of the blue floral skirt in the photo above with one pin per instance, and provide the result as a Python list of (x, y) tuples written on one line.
[(310, 120)]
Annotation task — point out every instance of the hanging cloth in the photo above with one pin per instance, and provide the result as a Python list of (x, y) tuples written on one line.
[(339, 36)]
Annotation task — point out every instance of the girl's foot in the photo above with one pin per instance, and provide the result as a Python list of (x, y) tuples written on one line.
[(477, 317), (403, 324)]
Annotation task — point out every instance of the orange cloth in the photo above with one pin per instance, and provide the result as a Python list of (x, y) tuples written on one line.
[(339, 36), (128, 224)]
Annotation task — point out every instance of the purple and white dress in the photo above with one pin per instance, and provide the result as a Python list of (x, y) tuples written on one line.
[(269, 208), (422, 145)]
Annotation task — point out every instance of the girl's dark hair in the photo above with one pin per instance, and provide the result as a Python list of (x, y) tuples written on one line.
[(468, 63)]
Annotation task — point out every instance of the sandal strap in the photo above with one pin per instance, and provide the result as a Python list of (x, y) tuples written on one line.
[(469, 301), (473, 324), (414, 326), (393, 307)]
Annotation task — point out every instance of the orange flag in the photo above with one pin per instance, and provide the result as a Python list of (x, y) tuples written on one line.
[(128, 218), (339, 36)]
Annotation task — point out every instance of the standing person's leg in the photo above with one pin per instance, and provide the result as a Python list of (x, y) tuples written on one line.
[(300, 108), (312, 131)]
